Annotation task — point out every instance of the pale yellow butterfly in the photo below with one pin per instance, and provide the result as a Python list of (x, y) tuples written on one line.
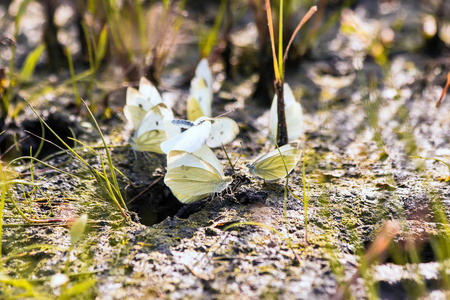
[(270, 166), (139, 102), (194, 176), (200, 94), (156, 127)]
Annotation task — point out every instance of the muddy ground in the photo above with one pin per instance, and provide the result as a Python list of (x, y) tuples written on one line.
[(363, 124)]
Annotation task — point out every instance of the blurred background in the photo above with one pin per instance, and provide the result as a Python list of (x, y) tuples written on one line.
[(63, 50)]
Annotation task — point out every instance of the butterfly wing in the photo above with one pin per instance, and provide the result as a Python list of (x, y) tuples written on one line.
[(149, 141), (136, 107), (191, 178), (152, 120), (190, 140), (223, 131), (203, 71), (200, 99), (197, 83), (171, 129), (155, 128), (148, 90), (188, 198), (207, 155), (194, 110), (294, 115), (273, 119), (270, 166)]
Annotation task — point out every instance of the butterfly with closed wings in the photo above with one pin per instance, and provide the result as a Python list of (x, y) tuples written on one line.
[(156, 127), (194, 176), (294, 116), (200, 94), (270, 166), (139, 102)]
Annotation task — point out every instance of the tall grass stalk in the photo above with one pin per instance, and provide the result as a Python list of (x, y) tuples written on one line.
[(444, 91), (114, 21), (286, 188), (24, 74), (96, 53), (306, 196), (278, 65), (4, 188), (30, 63), (74, 83), (206, 44)]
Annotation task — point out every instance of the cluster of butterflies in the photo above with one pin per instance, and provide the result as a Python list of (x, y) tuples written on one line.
[(193, 170)]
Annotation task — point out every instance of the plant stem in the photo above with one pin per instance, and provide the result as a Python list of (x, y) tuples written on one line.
[(4, 188), (282, 134), (305, 199), (280, 42), (308, 15), (272, 40)]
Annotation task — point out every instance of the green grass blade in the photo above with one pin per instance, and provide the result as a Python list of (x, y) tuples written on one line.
[(72, 75), (280, 41), (4, 188), (272, 41), (30, 63), (100, 49), (78, 288), (212, 36), (108, 155), (33, 158)]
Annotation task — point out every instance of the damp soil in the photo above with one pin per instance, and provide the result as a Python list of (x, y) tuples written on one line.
[(359, 175)]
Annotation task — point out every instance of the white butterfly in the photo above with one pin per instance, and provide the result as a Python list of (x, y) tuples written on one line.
[(139, 102), (193, 176), (200, 94), (156, 127), (271, 167), (294, 116), (212, 131)]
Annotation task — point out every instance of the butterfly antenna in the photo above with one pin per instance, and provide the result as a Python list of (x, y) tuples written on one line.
[(225, 113), (237, 159), (229, 160), (147, 156), (240, 154)]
